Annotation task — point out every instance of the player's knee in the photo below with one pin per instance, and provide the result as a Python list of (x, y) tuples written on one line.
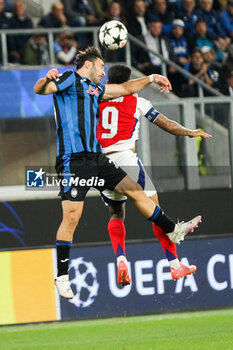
[(155, 198), (72, 218)]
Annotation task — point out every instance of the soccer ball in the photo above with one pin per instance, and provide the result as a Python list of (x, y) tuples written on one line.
[(113, 35)]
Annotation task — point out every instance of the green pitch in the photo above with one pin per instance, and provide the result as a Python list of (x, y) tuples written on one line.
[(181, 331)]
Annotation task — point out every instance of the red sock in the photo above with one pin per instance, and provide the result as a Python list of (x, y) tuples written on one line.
[(168, 246), (116, 230)]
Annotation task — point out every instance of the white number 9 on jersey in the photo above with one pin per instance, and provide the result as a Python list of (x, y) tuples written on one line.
[(110, 122)]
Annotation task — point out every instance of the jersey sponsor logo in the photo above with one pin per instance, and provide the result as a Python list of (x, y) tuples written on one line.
[(93, 91)]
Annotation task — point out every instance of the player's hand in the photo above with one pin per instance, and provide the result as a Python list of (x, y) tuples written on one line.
[(164, 82), (198, 132), (52, 74)]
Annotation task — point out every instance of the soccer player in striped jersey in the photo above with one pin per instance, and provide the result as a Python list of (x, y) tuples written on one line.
[(117, 132), (79, 154)]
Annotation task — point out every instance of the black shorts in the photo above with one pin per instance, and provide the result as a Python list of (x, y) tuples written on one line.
[(81, 171)]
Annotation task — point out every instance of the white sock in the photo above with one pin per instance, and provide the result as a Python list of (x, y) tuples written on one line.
[(175, 264), (121, 258)]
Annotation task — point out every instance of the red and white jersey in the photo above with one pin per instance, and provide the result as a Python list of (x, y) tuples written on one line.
[(119, 122)]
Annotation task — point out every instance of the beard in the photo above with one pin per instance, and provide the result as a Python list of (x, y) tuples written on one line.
[(93, 75)]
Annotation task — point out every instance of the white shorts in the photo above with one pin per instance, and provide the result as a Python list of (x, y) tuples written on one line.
[(132, 165)]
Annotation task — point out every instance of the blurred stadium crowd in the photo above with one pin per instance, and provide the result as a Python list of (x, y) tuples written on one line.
[(196, 34)]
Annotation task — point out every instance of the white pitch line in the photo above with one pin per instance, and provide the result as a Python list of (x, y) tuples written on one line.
[(112, 321)]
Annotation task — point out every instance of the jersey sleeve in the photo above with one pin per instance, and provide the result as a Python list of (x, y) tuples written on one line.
[(146, 109), (65, 80)]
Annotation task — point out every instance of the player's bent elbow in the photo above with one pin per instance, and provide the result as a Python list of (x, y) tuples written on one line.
[(37, 91), (42, 92)]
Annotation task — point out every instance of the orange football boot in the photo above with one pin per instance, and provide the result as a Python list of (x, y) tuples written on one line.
[(182, 271), (123, 274)]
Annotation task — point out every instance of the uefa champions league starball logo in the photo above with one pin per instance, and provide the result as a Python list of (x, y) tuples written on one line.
[(83, 282)]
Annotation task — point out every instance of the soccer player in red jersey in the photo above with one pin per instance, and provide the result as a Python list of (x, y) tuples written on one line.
[(117, 132)]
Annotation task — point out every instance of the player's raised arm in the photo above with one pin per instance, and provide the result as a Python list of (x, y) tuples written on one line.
[(147, 110), (46, 86), (133, 86), (175, 128)]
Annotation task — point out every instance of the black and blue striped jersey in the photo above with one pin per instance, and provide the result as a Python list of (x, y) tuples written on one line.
[(76, 106)]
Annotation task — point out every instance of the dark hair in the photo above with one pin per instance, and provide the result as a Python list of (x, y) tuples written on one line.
[(196, 50), (199, 20), (90, 54), (118, 74), (154, 19)]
